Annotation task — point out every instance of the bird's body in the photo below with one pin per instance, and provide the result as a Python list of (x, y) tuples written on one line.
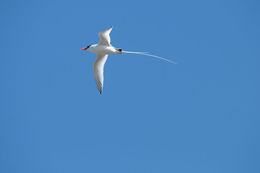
[(103, 49)]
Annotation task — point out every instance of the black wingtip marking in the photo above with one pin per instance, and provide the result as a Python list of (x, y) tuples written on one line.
[(100, 90)]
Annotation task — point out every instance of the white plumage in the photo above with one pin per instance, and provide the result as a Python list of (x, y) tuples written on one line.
[(103, 49)]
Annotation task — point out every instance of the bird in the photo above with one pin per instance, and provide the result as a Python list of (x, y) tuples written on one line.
[(103, 49)]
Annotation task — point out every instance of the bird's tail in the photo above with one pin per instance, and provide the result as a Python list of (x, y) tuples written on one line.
[(147, 54)]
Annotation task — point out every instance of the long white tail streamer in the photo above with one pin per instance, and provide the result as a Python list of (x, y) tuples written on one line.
[(146, 54)]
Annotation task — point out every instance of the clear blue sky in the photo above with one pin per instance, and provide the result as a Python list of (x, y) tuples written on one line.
[(199, 116)]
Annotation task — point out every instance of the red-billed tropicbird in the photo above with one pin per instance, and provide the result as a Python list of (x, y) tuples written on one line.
[(103, 49)]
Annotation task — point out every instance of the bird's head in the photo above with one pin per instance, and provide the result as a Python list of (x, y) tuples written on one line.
[(85, 48)]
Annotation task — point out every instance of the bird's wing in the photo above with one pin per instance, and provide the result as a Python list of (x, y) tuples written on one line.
[(99, 69), (104, 37)]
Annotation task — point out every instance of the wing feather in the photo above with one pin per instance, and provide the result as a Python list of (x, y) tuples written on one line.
[(99, 71), (104, 37)]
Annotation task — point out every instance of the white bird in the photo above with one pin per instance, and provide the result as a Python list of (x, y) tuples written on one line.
[(103, 49)]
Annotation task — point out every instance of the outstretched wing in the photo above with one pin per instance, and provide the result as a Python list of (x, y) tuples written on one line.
[(104, 37), (99, 71)]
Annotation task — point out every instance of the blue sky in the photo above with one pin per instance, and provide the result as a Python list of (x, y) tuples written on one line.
[(201, 115)]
